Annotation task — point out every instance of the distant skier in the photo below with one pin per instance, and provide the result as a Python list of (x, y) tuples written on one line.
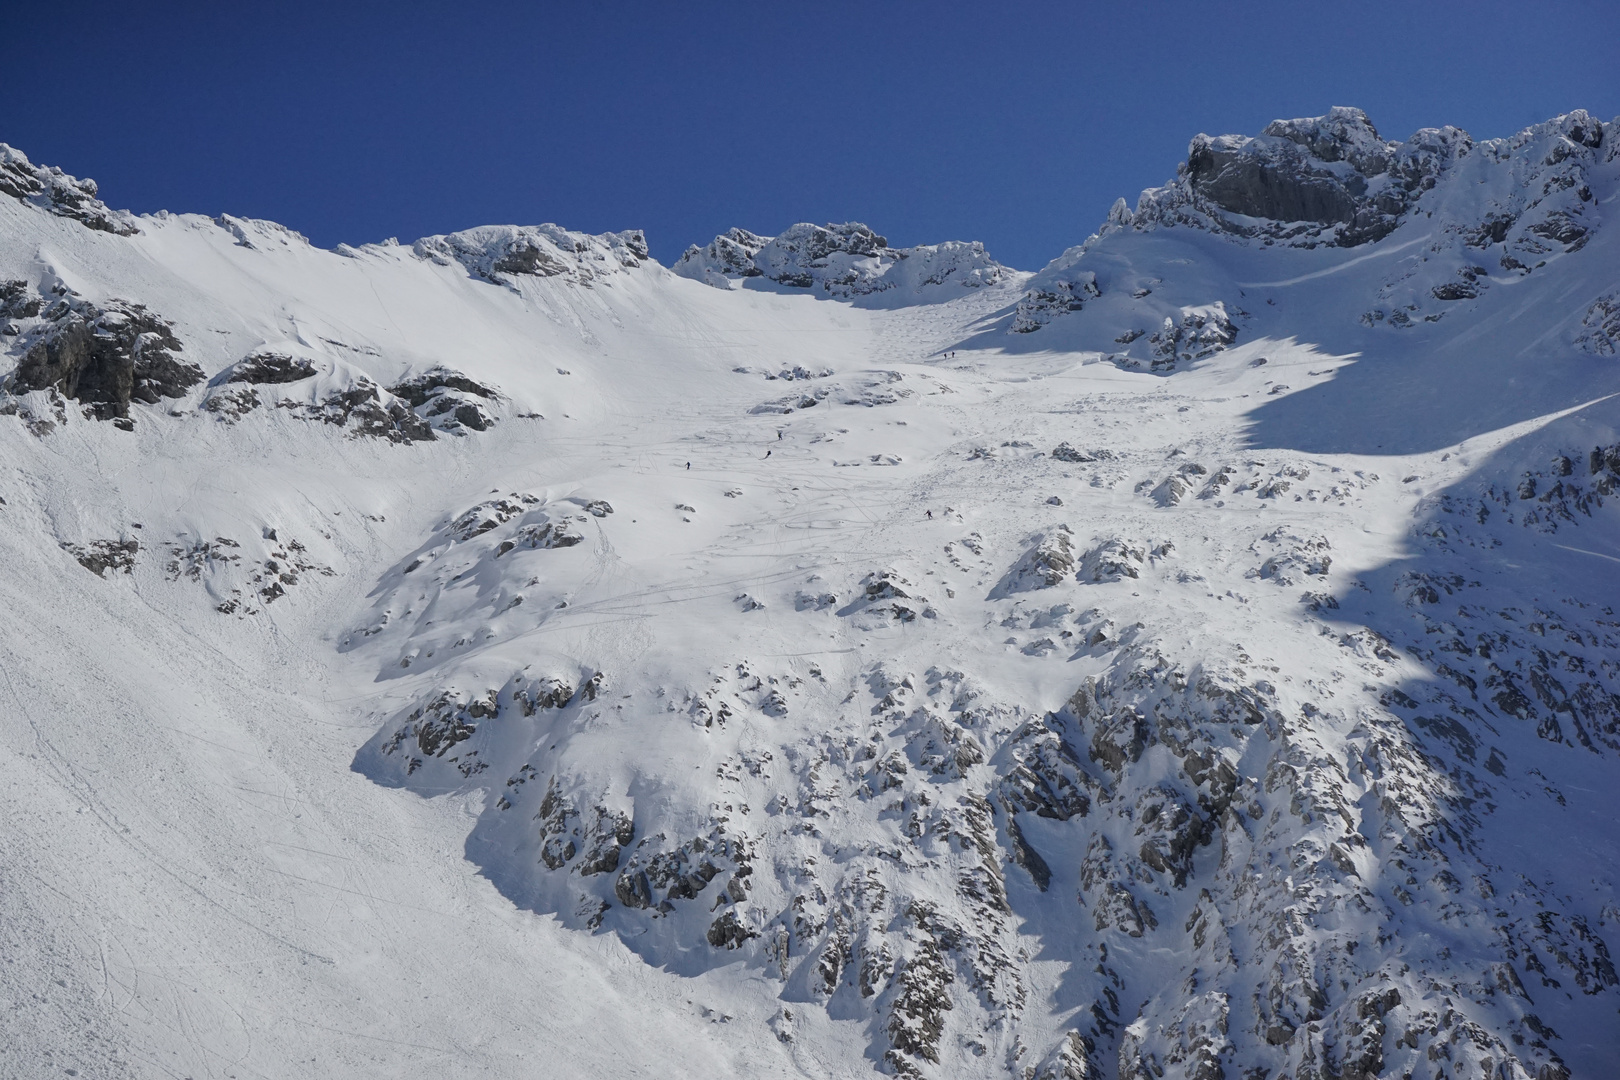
[(779, 435), (688, 466), (930, 515), (767, 453)]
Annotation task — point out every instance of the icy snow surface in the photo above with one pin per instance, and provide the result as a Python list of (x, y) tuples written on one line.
[(503, 656)]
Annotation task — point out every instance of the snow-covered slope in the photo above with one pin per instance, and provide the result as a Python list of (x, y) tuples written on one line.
[(504, 656)]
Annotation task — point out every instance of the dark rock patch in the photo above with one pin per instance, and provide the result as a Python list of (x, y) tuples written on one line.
[(269, 369), (99, 556), (104, 358)]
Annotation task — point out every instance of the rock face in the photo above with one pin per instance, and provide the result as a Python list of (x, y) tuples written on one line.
[(505, 254), (1324, 179), (844, 261), (103, 357), (311, 387), (54, 190), (1490, 211), (449, 399)]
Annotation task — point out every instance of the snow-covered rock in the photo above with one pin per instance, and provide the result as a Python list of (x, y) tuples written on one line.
[(53, 190), (842, 261), (502, 253), (103, 357), (1484, 213)]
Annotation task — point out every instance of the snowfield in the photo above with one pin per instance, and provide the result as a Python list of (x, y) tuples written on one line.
[(505, 656)]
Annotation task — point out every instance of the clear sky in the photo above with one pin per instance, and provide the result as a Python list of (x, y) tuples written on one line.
[(1012, 123)]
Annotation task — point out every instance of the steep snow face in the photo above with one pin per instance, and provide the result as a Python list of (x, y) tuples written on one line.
[(843, 261), (1448, 218), (1204, 681)]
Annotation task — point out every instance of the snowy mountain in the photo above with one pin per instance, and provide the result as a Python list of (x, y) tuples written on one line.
[(505, 656)]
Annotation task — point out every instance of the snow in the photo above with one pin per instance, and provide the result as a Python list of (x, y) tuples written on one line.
[(1158, 663)]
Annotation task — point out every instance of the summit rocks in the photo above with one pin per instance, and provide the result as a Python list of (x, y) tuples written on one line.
[(506, 253), (1489, 211), (843, 261)]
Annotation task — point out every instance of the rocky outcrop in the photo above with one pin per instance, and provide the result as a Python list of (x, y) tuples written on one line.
[(448, 399), (729, 256), (312, 387), (1049, 560), (843, 261), (54, 191), (99, 556), (270, 369), (1500, 207), (1199, 333), (506, 254), (365, 410), (1599, 332), (104, 357), (1268, 833), (1048, 301)]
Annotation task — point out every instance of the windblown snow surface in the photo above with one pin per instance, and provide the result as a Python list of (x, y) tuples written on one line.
[(502, 656)]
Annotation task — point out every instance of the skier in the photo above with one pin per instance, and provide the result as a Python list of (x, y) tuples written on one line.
[(930, 515), (688, 466), (767, 453)]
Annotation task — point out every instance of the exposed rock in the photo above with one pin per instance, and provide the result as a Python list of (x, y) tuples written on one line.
[(18, 300), (488, 515), (438, 726), (1064, 452), (1600, 327), (505, 253), (270, 368), (1072, 1059), (844, 261), (1296, 557), (1328, 179), (446, 399), (1049, 561), (1042, 304), (104, 358), (1113, 560), (551, 534), (365, 409), (53, 190), (1200, 333), (729, 255), (727, 932), (99, 556)]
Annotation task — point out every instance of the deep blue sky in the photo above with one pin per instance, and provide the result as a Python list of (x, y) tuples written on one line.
[(1016, 124)]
